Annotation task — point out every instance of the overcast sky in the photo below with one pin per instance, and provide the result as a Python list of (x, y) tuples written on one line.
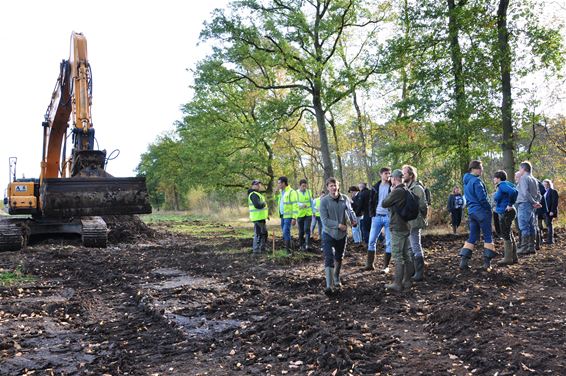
[(139, 52)]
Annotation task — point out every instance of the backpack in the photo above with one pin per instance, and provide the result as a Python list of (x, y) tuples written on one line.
[(428, 195), (410, 210)]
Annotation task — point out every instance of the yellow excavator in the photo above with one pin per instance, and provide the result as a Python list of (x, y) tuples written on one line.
[(72, 193)]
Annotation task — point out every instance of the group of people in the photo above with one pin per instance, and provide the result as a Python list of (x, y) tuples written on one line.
[(377, 216)]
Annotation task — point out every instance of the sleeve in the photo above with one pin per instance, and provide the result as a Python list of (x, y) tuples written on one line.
[(295, 199), (554, 203), (513, 194), (325, 218), (525, 190), (499, 193), (350, 213), (481, 194), (391, 199), (450, 205), (256, 201)]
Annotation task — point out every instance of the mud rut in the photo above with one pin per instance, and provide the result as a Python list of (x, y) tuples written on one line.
[(176, 305)]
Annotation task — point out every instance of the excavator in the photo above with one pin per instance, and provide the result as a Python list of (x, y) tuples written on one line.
[(73, 192)]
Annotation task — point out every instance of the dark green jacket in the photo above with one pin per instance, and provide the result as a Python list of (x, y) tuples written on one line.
[(394, 200)]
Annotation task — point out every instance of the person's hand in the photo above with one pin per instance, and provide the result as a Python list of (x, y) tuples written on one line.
[(293, 222), (551, 214), (509, 208), (354, 223), (537, 205), (342, 227)]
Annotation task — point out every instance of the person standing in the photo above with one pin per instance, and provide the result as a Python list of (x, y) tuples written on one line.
[(288, 210), (416, 225), (527, 202), (354, 192), (316, 222), (505, 197), (258, 215), (399, 234), (479, 216), (379, 220), (335, 211), (365, 221), (455, 208), (304, 216), (551, 201)]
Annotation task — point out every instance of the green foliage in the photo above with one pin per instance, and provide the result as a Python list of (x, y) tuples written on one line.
[(10, 278)]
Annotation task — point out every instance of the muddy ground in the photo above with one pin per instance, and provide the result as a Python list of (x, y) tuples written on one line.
[(158, 303)]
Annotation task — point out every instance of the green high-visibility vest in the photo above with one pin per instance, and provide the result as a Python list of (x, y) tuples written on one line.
[(290, 208), (304, 203), (255, 213), (316, 209)]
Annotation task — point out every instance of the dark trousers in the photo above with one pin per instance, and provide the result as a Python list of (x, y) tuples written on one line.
[(333, 249), (260, 237), (456, 217), (549, 230), (304, 225), (496, 224), (505, 222), (365, 224)]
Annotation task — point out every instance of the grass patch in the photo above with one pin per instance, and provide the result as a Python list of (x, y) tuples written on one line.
[(281, 254), (14, 277)]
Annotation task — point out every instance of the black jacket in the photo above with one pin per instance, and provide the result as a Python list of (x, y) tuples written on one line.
[(541, 211), (255, 200), (452, 203), (551, 201), (364, 201), (374, 198)]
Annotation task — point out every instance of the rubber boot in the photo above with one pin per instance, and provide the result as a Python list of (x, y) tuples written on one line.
[(507, 254), (397, 278), (329, 274), (419, 269), (514, 248), (538, 239), (288, 247), (521, 246), (370, 261), (386, 260), (531, 248), (465, 255), (408, 271), (308, 246), (454, 229), (527, 246), (337, 268), (488, 254)]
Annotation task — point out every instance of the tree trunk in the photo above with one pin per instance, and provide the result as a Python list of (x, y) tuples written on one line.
[(459, 115), (338, 154), (361, 133), (321, 124), (270, 174), (508, 144)]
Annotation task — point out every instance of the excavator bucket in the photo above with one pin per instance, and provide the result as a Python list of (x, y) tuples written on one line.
[(94, 196)]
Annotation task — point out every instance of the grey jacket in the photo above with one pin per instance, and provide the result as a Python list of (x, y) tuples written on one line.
[(334, 212), (528, 190), (421, 221)]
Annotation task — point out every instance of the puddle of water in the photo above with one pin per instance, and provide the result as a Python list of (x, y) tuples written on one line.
[(202, 327), (180, 279)]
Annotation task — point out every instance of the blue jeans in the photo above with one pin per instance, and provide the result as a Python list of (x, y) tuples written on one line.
[(415, 242), (317, 224), (377, 223), (333, 249), (480, 220), (286, 228), (526, 218), (357, 232), (365, 222)]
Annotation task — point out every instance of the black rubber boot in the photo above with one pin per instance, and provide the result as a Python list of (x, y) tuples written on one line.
[(370, 261), (488, 254), (465, 255), (514, 247), (337, 269), (408, 271), (419, 269), (527, 246), (397, 284), (386, 260), (329, 274)]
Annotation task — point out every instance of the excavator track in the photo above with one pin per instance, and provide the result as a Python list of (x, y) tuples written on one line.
[(11, 238), (94, 232)]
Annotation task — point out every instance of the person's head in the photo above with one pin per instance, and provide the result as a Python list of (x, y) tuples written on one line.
[(548, 184), (282, 182), (362, 186), (303, 185), (256, 184), (396, 178), (499, 176), (456, 190), (525, 168), (409, 173), (333, 186), (385, 173), (475, 167), (517, 176), (353, 190)]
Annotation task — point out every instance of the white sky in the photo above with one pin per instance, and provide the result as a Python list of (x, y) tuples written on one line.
[(138, 50)]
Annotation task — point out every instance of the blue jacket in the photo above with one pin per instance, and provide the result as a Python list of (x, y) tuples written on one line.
[(505, 195), (475, 194)]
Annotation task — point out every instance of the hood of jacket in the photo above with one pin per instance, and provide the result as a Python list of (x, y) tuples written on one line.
[(468, 177)]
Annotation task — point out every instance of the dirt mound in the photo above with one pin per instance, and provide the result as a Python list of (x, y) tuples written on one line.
[(127, 229)]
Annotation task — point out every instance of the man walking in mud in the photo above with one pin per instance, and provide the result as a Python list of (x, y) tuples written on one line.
[(258, 215), (335, 211)]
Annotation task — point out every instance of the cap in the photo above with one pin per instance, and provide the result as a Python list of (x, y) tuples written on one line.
[(397, 174), (256, 182)]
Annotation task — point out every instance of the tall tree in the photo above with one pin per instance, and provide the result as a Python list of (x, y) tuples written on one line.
[(294, 44)]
